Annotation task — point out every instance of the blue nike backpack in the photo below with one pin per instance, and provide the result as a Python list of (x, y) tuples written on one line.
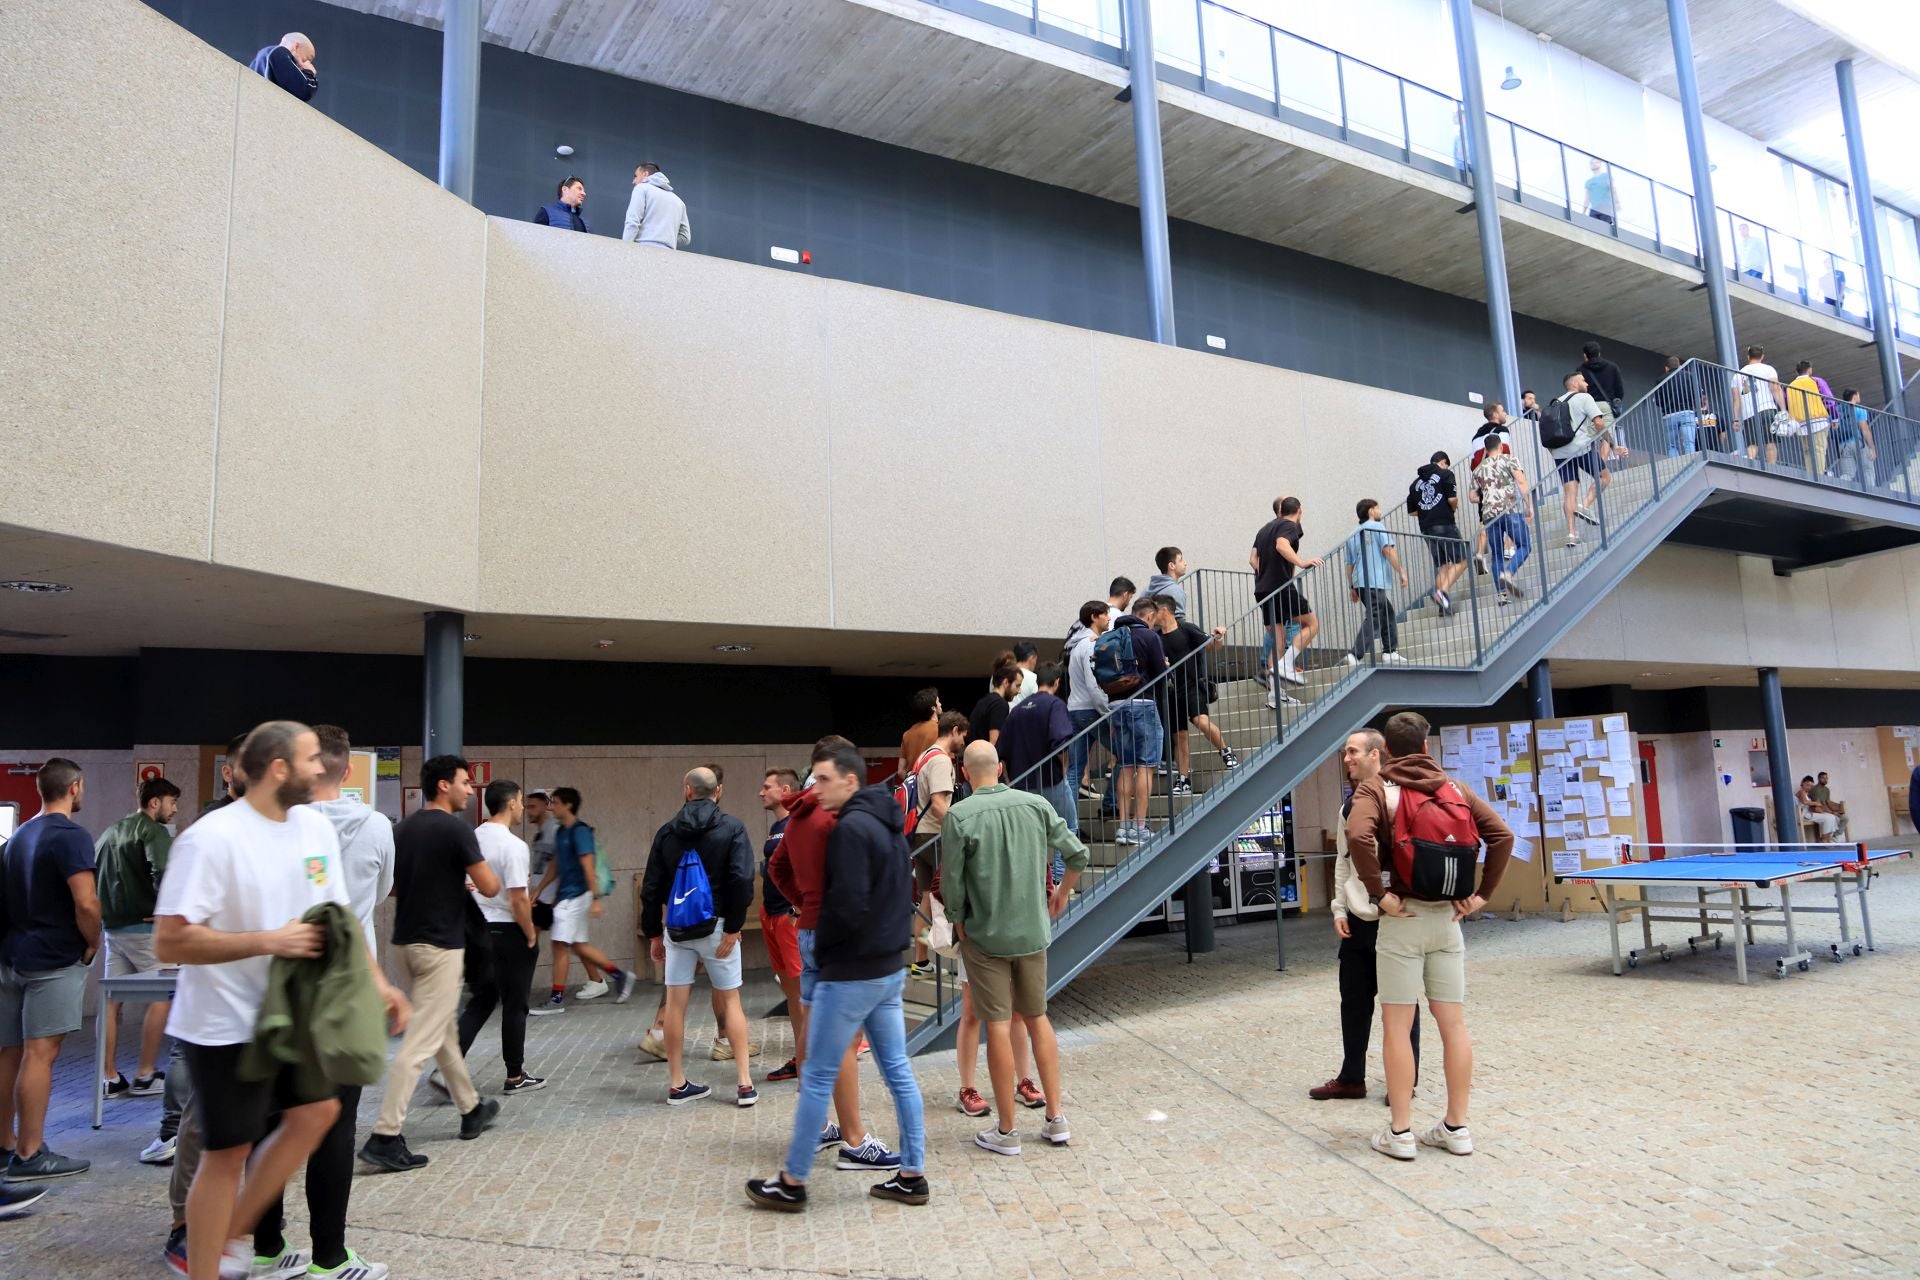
[(690, 900)]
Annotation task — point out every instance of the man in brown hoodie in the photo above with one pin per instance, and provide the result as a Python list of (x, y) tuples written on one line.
[(1420, 948)]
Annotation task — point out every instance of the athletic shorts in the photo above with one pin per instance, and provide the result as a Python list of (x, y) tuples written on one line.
[(570, 918), (130, 951), (1288, 603), (782, 936), (1445, 545), (923, 864), (1570, 468), (684, 957), (1421, 956), (36, 1004), (1006, 985), (246, 1106)]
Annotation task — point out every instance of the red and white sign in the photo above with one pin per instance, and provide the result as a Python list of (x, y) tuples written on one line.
[(480, 772), (145, 771)]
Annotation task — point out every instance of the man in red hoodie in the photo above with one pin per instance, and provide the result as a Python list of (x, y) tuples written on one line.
[(1430, 829), (798, 868)]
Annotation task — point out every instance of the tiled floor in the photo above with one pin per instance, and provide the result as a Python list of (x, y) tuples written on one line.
[(1667, 1123)]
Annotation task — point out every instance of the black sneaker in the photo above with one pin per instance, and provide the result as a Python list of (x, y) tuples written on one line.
[(525, 1084), (902, 1188), (688, 1092), (829, 1136), (776, 1193), (390, 1153), (1227, 757), (18, 1199), (788, 1070), (475, 1122), (1182, 785), (116, 1088), (148, 1086), (745, 1096), (46, 1163)]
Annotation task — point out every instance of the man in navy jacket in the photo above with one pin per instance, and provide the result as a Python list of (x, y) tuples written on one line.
[(289, 64)]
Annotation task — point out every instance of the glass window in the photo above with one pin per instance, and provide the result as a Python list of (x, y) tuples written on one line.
[(1433, 121), (1633, 201), (1500, 140), (1540, 172), (1176, 34), (1677, 229), (1373, 102), (1239, 54), (1094, 19), (1308, 81)]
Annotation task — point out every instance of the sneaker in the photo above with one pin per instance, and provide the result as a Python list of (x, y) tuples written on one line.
[(175, 1252), (1183, 785), (745, 1096), (1227, 757), (475, 1122), (19, 1199), (148, 1086), (1091, 793), (1401, 1146), (555, 1003), (653, 1044), (1286, 700), (1458, 1141), (1392, 658), (830, 1136), (236, 1261), (1291, 674), (1573, 539), (525, 1084), (1124, 836), (159, 1151), (972, 1104), (790, 1070), (1004, 1144), (1337, 1088), (688, 1092), (390, 1154), (1142, 832), (1480, 565), (1353, 659), (920, 969), (860, 1050), (46, 1164), (1513, 585), (1272, 695), (438, 1083), (627, 982), (1503, 599), (722, 1050), (776, 1193), (899, 1187), (870, 1155), (115, 1088), (1262, 678), (1442, 599), (354, 1268), (1029, 1093), (1586, 515), (592, 991), (291, 1264), (1055, 1131)]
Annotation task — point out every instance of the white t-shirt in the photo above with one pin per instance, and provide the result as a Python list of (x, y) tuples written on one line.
[(238, 871), (1756, 389), (509, 857)]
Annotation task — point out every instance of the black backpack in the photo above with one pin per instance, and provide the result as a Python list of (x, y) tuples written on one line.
[(1556, 424)]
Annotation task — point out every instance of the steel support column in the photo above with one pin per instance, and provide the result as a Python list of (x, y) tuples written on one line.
[(459, 95), (1706, 214), (445, 729), (1155, 251), (1878, 297), (1540, 690), (1197, 897), (1486, 208), (1773, 714)]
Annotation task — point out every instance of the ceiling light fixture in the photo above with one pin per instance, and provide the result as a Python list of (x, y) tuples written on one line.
[(1512, 81), (36, 588), (733, 648)]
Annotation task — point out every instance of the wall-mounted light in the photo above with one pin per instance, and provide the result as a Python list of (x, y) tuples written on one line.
[(563, 151), (1512, 81)]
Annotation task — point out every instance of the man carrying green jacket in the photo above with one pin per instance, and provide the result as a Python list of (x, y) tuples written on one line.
[(996, 847), (131, 856)]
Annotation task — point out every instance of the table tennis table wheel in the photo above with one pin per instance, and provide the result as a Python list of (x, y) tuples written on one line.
[(1633, 961), (1858, 949), (1805, 965), (1779, 968), (1667, 956)]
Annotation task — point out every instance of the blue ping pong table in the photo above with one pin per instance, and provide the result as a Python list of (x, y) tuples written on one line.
[(1736, 876)]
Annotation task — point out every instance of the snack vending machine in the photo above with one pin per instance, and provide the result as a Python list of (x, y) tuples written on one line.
[(1265, 871)]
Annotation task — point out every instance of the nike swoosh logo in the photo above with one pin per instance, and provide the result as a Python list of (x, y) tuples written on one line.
[(683, 897)]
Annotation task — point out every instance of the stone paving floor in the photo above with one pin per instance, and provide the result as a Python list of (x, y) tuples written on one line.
[(1667, 1123)]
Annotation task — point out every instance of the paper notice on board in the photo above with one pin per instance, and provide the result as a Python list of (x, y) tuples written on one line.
[(1572, 806), (1552, 739), (1598, 827), (1452, 739), (1566, 862), (1619, 809), (1613, 724), (1620, 746), (1523, 848), (1553, 831), (1618, 795), (1597, 749), (1485, 736), (1581, 729)]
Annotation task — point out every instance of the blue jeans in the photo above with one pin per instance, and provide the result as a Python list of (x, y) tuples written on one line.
[(1065, 803), (809, 972), (1083, 746), (1681, 429), (1266, 646), (839, 1011), (1511, 527), (1136, 733)]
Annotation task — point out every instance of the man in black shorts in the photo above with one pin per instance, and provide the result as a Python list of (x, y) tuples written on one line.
[(1274, 558), (1434, 498)]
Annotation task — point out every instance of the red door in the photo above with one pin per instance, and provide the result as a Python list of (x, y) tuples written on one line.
[(1650, 792), (18, 786)]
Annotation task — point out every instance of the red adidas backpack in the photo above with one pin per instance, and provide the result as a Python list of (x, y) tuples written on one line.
[(1436, 844)]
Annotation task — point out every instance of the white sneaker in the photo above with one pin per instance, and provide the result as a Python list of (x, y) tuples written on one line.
[(159, 1151), (1272, 701), (1392, 659), (1124, 836), (1401, 1146), (292, 1264), (592, 991), (1352, 661), (1458, 1141), (1291, 674), (1005, 1144), (1055, 1130)]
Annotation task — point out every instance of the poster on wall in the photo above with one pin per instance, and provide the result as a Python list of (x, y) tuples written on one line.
[(1590, 793), (1499, 763), (145, 771)]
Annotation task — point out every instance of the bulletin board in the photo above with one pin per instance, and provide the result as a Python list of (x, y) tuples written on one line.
[(1589, 799), (1498, 763), (359, 784)]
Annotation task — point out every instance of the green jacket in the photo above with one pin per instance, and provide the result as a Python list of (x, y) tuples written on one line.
[(995, 848), (131, 856), (324, 1017)]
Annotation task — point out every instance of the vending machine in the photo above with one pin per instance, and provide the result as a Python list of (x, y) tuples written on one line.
[(1265, 870)]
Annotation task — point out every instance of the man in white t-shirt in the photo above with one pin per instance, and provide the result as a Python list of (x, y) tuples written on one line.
[(511, 938), (237, 884), (1590, 423), (1756, 398)]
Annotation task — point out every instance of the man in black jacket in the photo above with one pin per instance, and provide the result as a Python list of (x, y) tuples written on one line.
[(1603, 378), (725, 856), (289, 64), (857, 946)]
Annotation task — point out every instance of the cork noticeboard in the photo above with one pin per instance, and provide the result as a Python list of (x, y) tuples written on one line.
[(1498, 763), (1589, 798)]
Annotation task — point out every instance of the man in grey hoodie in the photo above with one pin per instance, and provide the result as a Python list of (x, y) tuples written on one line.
[(656, 217)]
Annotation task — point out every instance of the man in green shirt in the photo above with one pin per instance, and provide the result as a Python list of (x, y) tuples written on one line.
[(131, 856), (996, 848)]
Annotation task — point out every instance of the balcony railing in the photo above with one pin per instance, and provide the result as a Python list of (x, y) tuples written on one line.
[(1225, 54)]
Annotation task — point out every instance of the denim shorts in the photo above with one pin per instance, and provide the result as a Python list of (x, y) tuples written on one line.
[(1136, 732)]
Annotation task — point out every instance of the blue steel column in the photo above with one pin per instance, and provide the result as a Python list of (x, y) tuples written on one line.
[(1540, 690), (1706, 214), (1877, 295), (1774, 712), (1152, 174), (459, 95), (1486, 208), (445, 710)]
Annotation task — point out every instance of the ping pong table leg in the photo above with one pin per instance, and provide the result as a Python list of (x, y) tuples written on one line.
[(99, 1058), (1613, 925), (1737, 909), (1794, 955), (1864, 878), (1840, 909)]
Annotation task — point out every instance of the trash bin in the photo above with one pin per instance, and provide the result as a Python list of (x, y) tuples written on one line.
[(1749, 828)]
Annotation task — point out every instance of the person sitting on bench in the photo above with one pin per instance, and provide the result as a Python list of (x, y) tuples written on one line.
[(1817, 815)]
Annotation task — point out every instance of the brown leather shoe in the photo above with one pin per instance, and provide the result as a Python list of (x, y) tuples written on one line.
[(1336, 1088)]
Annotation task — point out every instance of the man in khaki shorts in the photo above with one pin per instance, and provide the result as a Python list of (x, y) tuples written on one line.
[(1432, 838), (995, 854)]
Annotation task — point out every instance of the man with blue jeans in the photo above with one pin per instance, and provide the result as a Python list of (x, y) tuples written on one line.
[(1500, 487), (1137, 732), (1031, 745), (1086, 703), (859, 937), (1681, 400)]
